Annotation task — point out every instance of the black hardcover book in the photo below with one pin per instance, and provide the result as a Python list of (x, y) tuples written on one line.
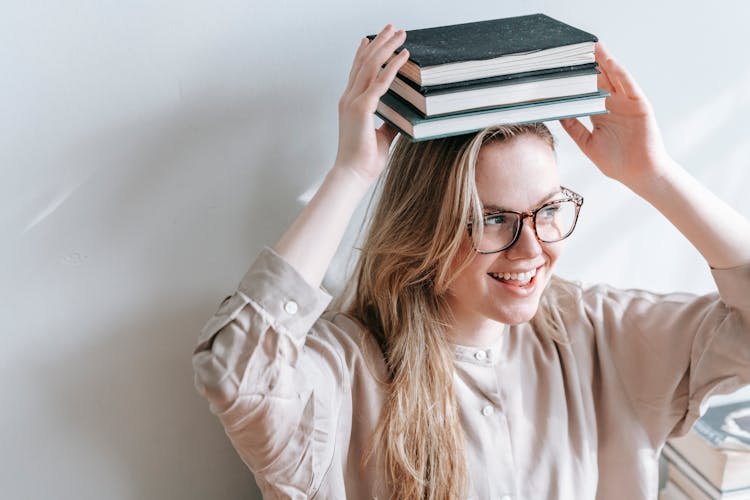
[(445, 54)]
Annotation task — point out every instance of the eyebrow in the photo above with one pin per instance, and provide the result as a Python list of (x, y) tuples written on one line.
[(496, 208)]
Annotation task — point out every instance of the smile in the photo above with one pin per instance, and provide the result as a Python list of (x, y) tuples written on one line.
[(519, 279)]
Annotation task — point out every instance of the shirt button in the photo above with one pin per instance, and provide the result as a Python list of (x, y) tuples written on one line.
[(487, 411), (291, 307), (480, 355)]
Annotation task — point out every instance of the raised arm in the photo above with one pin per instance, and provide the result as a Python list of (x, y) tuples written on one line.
[(274, 373), (627, 146), (311, 241)]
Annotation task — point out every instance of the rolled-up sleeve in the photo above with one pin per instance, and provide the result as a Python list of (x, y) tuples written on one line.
[(277, 399), (671, 351)]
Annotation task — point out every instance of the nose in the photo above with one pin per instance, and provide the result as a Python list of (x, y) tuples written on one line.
[(527, 244)]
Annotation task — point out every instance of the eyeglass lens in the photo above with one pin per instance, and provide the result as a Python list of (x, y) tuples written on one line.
[(553, 222)]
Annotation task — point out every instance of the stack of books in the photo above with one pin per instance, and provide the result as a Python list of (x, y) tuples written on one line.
[(712, 461), (464, 77)]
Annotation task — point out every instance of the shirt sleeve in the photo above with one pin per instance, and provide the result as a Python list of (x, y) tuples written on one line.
[(671, 351), (274, 386)]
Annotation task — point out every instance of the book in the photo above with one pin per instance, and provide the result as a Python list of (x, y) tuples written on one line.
[(693, 482), (672, 491), (683, 482), (497, 91), (482, 49), (694, 491), (726, 426), (409, 122), (718, 445)]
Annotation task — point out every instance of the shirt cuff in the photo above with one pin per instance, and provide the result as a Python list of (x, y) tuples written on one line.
[(272, 285), (734, 285)]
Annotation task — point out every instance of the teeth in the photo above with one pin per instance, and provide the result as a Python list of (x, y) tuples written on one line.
[(523, 277)]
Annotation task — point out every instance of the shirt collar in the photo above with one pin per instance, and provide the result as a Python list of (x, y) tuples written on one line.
[(485, 356)]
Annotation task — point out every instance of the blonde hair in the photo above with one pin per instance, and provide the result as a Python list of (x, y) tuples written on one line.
[(398, 292)]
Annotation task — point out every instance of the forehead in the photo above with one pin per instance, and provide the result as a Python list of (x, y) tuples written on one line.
[(517, 174)]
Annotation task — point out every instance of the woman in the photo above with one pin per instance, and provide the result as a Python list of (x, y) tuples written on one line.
[(461, 368)]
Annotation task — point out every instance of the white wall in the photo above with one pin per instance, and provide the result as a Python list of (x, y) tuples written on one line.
[(148, 150)]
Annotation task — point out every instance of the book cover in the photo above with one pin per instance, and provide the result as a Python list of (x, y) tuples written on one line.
[(672, 491), (684, 473), (543, 74), (683, 482), (408, 121), (726, 426), (480, 40), (499, 93), (694, 490), (500, 79)]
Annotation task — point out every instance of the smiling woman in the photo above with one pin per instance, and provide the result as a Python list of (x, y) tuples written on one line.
[(477, 300), (457, 365)]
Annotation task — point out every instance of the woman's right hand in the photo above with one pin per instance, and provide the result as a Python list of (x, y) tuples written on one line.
[(362, 148)]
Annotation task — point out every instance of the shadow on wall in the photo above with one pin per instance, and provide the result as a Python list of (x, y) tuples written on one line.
[(127, 390)]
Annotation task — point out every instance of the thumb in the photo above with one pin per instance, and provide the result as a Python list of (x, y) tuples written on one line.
[(386, 133), (577, 131)]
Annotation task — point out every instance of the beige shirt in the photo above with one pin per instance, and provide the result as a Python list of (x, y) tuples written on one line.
[(298, 394)]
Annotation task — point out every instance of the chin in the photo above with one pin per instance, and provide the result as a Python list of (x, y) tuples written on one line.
[(517, 317), (517, 311)]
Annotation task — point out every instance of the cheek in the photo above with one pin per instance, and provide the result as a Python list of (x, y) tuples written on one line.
[(468, 274), (553, 251), (465, 260), (458, 268)]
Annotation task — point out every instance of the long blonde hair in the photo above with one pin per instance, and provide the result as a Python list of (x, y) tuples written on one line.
[(398, 292)]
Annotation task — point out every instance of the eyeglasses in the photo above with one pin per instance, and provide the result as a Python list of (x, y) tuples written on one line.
[(553, 221)]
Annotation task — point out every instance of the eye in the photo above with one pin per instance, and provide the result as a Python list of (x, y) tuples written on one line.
[(549, 212), (496, 219)]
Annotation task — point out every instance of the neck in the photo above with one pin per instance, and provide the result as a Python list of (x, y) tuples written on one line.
[(475, 332)]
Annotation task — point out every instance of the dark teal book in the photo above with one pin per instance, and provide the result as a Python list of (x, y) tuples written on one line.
[(498, 91), (483, 49), (493, 80), (409, 122)]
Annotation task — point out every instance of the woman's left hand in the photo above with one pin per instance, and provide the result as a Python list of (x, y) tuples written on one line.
[(625, 143)]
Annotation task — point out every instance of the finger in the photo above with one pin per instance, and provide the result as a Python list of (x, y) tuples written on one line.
[(356, 62), (373, 44), (607, 63), (602, 80), (577, 131), (619, 77), (383, 81), (375, 60), (362, 52), (387, 133)]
